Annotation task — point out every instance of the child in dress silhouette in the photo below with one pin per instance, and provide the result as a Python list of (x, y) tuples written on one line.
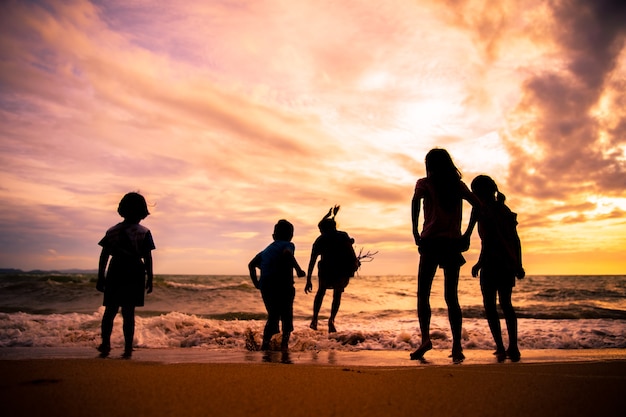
[(129, 245), (500, 261)]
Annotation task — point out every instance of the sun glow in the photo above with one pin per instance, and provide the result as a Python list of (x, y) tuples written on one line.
[(606, 205)]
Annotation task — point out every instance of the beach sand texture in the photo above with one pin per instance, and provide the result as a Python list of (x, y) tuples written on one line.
[(94, 387)]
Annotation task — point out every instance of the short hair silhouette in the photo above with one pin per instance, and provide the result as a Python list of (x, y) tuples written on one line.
[(133, 206), (283, 230)]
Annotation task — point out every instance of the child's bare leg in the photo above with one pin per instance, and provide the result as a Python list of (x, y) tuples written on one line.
[(317, 305), (284, 346), (425, 277), (334, 309), (106, 329), (491, 311), (128, 327), (511, 323), (455, 315)]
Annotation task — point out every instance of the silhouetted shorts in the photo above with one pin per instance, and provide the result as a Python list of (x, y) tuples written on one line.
[(279, 305), (333, 282), (444, 252), (497, 277)]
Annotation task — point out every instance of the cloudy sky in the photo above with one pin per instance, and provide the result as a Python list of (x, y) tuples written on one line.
[(228, 115)]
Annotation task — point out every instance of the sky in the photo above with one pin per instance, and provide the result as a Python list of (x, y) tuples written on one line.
[(230, 115)]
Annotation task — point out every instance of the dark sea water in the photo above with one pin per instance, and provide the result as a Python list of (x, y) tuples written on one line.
[(377, 313)]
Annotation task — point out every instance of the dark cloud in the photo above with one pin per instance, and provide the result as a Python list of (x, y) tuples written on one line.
[(573, 151), (38, 230)]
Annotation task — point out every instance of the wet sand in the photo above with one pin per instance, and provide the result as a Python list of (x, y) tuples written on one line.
[(265, 385)]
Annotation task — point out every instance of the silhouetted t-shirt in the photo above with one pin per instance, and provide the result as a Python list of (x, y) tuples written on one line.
[(128, 243), (439, 222), (500, 253), (276, 265)]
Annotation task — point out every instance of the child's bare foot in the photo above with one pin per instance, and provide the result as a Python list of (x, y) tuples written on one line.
[(284, 345), (457, 354), (419, 353), (513, 354), (313, 325), (104, 350), (331, 327)]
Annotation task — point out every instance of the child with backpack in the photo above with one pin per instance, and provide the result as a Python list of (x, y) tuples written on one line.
[(337, 265)]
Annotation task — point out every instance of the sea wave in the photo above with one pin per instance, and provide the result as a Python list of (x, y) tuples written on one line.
[(177, 329), (376, 313)]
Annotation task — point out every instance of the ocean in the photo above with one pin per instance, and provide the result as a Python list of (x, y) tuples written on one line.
[(378, 313)]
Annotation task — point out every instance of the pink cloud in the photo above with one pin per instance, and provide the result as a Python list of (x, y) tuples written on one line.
[(573, 158)]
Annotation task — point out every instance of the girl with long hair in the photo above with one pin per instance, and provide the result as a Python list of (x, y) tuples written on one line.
[(440, 243)]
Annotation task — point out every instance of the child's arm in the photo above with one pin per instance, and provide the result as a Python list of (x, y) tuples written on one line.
[(252, 266), (477, 267), (470, 197), (479, 263), (149, 271), (294, 263), (472, 222), (466, 237), (470, 228), (415, 214), (309, 285), (102, 265), (520, 273)]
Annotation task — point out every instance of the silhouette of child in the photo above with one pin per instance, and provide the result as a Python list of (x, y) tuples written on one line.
[(500, 261), (440, 243), (129, 245), (337, 265), (276, 263)]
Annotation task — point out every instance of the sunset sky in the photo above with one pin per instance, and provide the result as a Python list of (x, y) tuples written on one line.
[(228, 115)]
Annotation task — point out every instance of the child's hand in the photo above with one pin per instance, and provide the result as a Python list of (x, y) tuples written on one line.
[(309, 286), (100, 284), (301, 273), (521, 273), (149, 286), (475, 270)]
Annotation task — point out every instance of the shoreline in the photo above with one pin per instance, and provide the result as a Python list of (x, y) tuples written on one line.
[(364, 358)]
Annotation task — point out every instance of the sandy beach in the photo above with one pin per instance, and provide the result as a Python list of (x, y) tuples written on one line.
[(254, 387)]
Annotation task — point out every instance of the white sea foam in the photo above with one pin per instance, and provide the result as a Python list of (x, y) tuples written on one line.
[(183, 330), (377, 313)]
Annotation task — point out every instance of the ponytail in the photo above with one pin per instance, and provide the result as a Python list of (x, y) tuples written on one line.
[(500, 198)]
